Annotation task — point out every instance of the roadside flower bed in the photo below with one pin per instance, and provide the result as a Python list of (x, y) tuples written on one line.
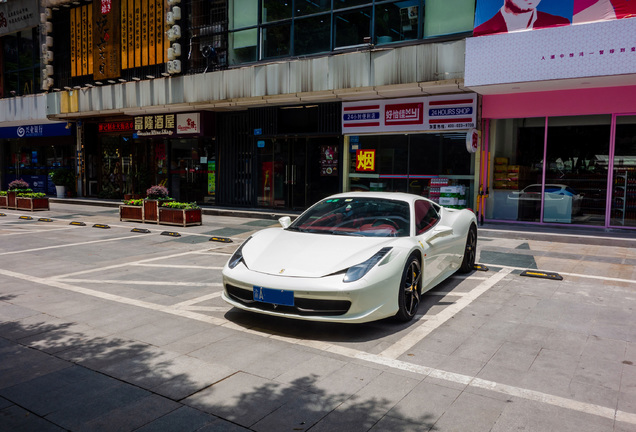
[(159, 208), (21, 197)]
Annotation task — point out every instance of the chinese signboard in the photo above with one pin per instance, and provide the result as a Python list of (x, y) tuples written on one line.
[(34, 131), (106, 40), (596, 49), (450, 112), (497, 16), (189, 123), (365, 160), (16, 16), (155, 125), (115, 126)]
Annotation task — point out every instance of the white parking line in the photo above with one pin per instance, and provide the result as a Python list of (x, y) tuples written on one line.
[(387, 358), (177, 266), (134, 282), (67, 245), (431, 323)]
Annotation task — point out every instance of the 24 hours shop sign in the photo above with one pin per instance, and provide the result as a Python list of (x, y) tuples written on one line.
[(450, 112)]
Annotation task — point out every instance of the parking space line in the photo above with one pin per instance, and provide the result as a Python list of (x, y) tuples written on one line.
[(603, 278), (383, 359), (429, 324), (67, 245), (177, 266), (134, 282), (198, 300)]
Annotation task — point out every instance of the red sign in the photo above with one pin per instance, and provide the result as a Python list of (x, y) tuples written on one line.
[(119, 126), (365, 160), (404, 114)]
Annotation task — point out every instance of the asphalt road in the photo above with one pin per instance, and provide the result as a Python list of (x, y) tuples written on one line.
[(109, 329)]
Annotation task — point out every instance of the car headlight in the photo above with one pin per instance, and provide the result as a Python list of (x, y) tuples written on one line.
[(237, 257), (358, 271)]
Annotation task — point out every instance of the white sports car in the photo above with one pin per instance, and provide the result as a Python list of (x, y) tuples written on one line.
[(352, 257)]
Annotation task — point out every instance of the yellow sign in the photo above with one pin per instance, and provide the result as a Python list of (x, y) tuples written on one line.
[(365, 160)]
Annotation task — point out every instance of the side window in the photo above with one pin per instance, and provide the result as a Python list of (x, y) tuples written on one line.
[(426, 216)]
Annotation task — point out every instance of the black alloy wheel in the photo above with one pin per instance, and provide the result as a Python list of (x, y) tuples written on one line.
[(470, 252), (410, 294)]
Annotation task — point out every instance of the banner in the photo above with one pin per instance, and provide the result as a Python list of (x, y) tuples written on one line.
[(447, 112), (18, 15), (506, 16)]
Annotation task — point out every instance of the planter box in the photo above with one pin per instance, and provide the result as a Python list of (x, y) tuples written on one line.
[(32, 204), (151, 211), (11, 200), (181, 217), (4, 201), (131, 213)]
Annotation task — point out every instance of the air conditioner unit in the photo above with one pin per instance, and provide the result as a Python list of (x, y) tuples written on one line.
[(49, 70), (48, 12), (170, 18), (170, 54), (48, 57), (49, 41)]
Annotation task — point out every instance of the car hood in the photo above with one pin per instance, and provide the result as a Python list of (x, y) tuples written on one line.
[(291, 253)]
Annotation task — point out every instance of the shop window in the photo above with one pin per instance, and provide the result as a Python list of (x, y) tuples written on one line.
[(275, 10), (340, 4), (517, 163), (624, 185), (276, 41), (352, 27), (242, 46), (20, 63), (396, 21), (243, 13), (307, 7), (577, 162), (444, 17), (312, 35)]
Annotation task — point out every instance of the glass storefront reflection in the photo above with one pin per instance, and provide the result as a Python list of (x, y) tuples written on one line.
[(623, 212), (576, 172)]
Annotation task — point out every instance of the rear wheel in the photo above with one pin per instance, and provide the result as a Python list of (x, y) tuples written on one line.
[(410, 290), (470, 252)]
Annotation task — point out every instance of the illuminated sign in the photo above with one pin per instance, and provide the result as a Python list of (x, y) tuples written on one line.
[(118, 126), (155, 125), (365, 160)]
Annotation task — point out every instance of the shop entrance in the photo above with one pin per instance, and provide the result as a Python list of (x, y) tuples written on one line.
[(296, 172)]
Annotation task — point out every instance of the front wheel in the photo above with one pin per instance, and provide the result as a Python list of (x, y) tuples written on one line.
[(468, 263), (410, 290)]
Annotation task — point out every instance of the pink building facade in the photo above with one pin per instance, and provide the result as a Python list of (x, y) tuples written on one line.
[(558, 120)]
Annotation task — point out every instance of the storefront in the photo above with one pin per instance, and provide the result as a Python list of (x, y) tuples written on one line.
[(415, 145), (285, 157), (176, 150), (559, 116), (589, 149), (32, 152)]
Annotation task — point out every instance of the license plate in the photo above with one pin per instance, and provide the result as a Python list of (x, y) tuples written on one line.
[(274, 296)]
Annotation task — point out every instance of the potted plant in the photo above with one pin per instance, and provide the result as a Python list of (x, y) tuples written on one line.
[(154, 195), (180, 213), (63, 178), (15, 187), (132, 210), (4, 199)]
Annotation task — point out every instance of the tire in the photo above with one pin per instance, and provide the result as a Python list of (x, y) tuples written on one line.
[(410, 290), (470, 251)]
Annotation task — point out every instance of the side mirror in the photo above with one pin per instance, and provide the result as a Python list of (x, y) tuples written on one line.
[(285, 221)]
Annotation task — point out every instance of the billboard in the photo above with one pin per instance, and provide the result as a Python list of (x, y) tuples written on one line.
[(447, 112), (506, 16)]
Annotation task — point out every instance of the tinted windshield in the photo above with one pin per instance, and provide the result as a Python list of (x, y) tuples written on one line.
[(356, 216)]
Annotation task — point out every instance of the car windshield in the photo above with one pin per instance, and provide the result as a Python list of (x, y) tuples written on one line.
[(356, 216)]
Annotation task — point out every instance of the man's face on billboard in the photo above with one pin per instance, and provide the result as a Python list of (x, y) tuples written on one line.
[(520, 6)]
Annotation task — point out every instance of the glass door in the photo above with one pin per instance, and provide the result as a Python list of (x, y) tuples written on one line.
[(623, 205)]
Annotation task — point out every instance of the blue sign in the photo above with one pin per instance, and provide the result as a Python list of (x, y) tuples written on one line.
[(260, 144), (35, 131), (258, 131), (361, 116)]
